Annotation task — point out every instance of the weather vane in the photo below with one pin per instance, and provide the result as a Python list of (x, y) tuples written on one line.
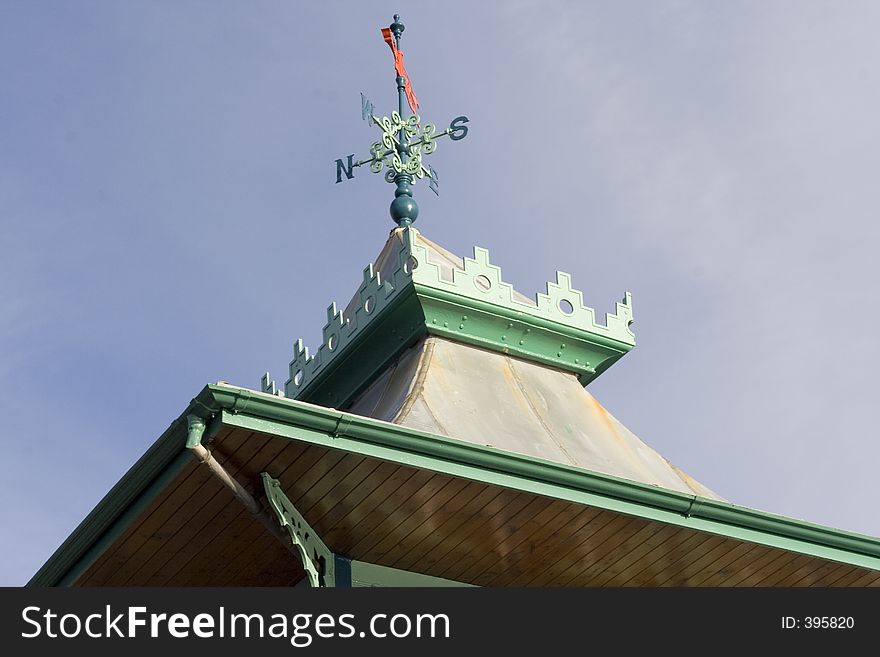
[(404, 141)]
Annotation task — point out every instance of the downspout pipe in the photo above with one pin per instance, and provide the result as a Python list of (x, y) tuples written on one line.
[(196, 430)]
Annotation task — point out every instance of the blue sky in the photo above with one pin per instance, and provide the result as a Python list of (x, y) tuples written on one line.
[(169, 218)]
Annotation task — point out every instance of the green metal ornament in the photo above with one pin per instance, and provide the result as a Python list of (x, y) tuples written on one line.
[(404, 141)]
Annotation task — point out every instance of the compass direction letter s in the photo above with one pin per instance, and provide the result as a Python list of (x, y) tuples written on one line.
[(457, 129)]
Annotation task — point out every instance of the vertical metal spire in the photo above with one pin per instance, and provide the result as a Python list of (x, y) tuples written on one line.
[(404, 139), (404, 209)]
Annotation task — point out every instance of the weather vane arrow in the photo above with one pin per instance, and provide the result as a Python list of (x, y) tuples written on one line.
[(404, 141)]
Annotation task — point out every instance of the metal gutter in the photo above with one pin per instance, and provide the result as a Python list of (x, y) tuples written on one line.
[(337, 430), (340, 430)]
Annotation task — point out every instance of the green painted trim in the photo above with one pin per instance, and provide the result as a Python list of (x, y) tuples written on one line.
[(383, 440), (508, 314), (342, 336), (330, 428), (369, 353), (419, 311), (481, 281), (476, 307), (525, 336)]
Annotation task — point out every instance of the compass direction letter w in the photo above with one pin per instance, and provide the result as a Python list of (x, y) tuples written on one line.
[(367, 110)]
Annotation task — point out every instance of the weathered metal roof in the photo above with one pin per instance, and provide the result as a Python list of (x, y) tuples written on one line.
[(447, 387), (456, 390)]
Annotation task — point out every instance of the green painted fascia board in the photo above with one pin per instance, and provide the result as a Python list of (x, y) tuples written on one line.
[(334, 429), (560, 330), (416, 310), (339, 430), (480, 280), (508, 331), (476, 307), (419, 310)]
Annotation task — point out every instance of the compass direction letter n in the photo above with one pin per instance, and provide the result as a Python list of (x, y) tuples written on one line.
[(341, 168)]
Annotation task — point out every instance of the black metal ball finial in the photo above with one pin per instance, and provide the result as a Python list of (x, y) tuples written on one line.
[(404, 209), (397, 27)]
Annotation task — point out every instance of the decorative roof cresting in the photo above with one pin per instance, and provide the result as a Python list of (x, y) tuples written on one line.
[(477, 284)]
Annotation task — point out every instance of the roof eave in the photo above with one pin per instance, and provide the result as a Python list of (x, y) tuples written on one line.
[(328, 427)]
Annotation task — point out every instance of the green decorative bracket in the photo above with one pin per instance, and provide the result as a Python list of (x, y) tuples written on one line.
[(319, 562)]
